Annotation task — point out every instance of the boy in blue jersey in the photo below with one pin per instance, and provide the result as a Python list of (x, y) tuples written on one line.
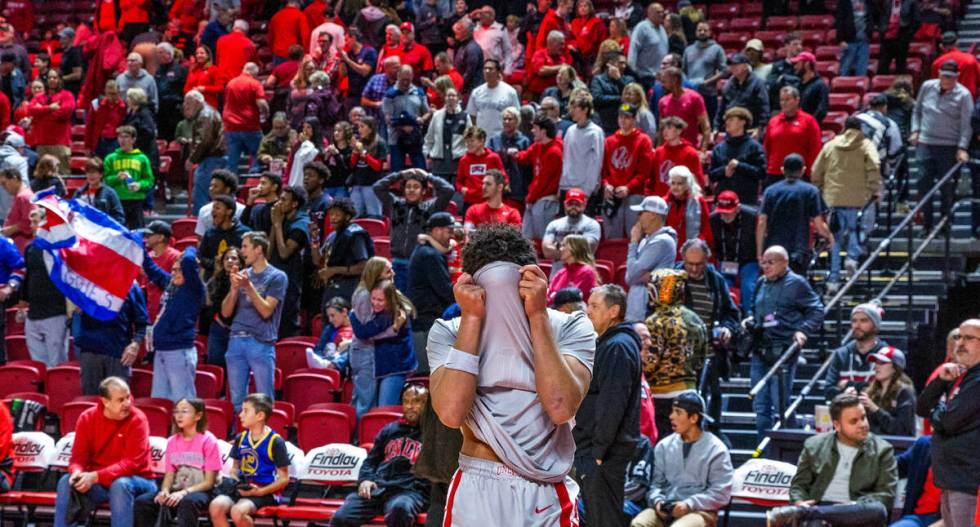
[(262, 463)]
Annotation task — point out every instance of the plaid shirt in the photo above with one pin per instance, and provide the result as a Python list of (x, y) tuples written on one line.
[(375, 90)]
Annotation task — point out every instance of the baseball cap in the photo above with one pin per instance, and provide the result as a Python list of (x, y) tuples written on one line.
[(805, 56), (727, 202), (949, 68), (158, 227), (14, 139), (948, 38), (654, 204), (407, 26), (568, 295), (793, 162), (889, 354), (575, 194), (738, 58), (440, 219), (755, 44), (67, 33), (628, 109), (692, 403)]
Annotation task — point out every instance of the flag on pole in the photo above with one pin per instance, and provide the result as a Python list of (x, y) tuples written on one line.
[(91, 258)]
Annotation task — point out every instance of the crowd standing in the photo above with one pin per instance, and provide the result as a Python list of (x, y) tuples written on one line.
[(340, 157)]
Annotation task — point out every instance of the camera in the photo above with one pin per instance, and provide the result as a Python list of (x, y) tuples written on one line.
[(243, 485), (667, 507)]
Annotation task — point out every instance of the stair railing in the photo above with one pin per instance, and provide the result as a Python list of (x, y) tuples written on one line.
[(786, 412)]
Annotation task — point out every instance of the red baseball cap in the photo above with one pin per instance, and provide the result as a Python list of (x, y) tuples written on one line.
[(727, 202), (407, 26), (805, 56), (575, 194)]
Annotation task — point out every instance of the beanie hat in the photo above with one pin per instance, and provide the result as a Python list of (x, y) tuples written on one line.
[(872, 310)]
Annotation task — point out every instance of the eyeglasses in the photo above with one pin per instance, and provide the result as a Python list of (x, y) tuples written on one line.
[(184, 412), (965, 338)]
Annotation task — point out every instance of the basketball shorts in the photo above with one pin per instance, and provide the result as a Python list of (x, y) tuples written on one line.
[(489, 493)]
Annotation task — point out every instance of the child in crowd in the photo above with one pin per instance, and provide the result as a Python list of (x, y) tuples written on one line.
[(262, 464), (193, 461), (331, 350)]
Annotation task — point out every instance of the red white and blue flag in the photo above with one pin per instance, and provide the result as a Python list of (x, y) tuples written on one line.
[(91, 258)]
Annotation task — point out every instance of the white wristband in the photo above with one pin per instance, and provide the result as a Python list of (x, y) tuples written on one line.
[(462, 361)]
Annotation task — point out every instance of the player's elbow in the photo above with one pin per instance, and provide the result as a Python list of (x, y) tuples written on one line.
[(562, 410), (450, 412)]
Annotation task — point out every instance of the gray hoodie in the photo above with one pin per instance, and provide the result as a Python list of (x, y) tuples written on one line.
[(702, 479), (656, 251), (582, 168), (143, 80)]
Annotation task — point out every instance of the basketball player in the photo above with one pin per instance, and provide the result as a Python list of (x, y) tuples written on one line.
[(511, 374)]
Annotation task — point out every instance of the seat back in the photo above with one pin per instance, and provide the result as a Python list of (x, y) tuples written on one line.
[(291, 356), (32, 451), (158, 418), (304, 389), (343, 408), (315, 428), (206, 385), (219, 375), (16, 346), (70, 412), (372, 423), (279, 422), (141, 382), (158, 455), (183, 228), (18, 378), (219, 422)]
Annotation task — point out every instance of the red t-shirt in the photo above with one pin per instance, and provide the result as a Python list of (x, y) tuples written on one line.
[(5, 110), (241, 114), (285, 72), (153, 293), (105, 19), (133, 12), (537, 84), (418, 57), (546, 160), (785, 136), (666, 157), (580, 276), (549, 23), (689, 107), (20, 215), (481, 214), (387, 51), (589, 33), (627, 160), (470, 172), (234, 50), (287, 27), (314, 12)]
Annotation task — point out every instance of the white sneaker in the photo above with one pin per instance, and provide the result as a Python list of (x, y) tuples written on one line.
[(850, 266)]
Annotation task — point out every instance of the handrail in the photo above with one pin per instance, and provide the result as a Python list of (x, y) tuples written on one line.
[(791, 409), (885, 243)]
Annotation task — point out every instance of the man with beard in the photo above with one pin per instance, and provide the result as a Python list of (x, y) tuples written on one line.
[(343, 254), (575, 221), (845, 478), (704, 65), (430, 287), (493, 209)]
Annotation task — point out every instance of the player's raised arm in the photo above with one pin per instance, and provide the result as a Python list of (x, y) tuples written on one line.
[(453, 386)]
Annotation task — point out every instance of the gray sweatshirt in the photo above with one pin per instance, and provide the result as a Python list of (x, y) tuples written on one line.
[(648, 45), (656, 251), (702, 61), (943, 119), (584, 147), (143, 80), (703, 479)]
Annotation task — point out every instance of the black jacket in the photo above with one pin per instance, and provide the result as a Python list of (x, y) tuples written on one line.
[(898, 420), (956, 431), (408, 219), (735, 241), (607, 96), (146, 133), (170, 79), (724, 311), (43, 298), (608, 421), (750, 171), (844, 20), (430, 288), (389, 463), (211, 242), (814, 97), (851, 366), (105, 199), (750, 95)]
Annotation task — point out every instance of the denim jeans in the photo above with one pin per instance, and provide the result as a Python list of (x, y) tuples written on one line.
[(336, 192), (748, 273), (390, 389), (398, 158), (854, 59), (245, 354), (847, 230), (400, 267), (366, 202), (173, 374), (765, 405), (916, 520), (120, 495), (237, 143), (217, 344), (202, 180), (362, 373)]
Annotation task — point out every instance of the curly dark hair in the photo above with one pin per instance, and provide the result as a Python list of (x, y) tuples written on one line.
[(497, 242), (344, 204)]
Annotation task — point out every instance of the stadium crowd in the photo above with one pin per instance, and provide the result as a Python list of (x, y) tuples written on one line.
[(345, 165)]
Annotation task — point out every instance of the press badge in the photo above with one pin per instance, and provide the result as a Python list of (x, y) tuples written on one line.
[(770, 321), (730, 268)]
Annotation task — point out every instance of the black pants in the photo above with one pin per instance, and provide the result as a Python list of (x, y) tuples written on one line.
[(602, 490), (894, 49), (399, 509), (133, 212), (145, 511), (437, 505), (934, 162), (871, 514)]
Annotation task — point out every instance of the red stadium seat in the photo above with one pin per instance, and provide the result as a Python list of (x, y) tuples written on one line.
[(14, 327), (613, 250), (745, 24), (287, 407), (158, 418), (39, 398), (219, 375), (922, 50), (858, 85), (881, 83), (844, 102), (817, 21), (183, 227), (828, 69), (219, 422), (752, 9), (813, 38), (605, 270), (781, 23), (36, 364), (291, 356), (206, 385), (183, 243), (621, 277), (343, 408), (279, 422), (316, 325), (62, 384), (78, 132), (834, 121), (382, 247), (18, 378), (373, 421), (724, 10), (735, 40), (373, 226), (866, 100), (718, 25), (141, 382), (321, 427), (828, 53), (16, 346), (347, 391), (304, 389), (70, 413)]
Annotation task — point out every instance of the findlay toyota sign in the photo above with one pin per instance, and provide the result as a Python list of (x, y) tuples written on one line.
[(764, 481), (335, 462)]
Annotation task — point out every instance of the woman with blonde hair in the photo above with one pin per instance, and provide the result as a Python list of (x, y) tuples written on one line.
[(389, 327), (607, 50), (634, 94), (377, 270), (47, 173), (578, 267), (619, 32), (566, 81), (687, 210)]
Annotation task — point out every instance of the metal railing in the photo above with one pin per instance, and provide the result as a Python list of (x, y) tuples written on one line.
[(786, 411)]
